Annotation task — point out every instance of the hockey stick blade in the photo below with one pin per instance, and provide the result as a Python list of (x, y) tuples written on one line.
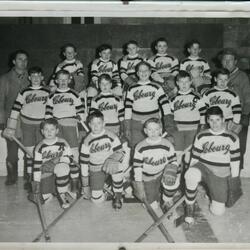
[(179, 221)]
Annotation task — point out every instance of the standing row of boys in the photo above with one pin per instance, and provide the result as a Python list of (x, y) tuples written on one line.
[(149, 98)]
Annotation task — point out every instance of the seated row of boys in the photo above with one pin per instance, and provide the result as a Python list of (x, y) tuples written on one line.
[(145, 100)]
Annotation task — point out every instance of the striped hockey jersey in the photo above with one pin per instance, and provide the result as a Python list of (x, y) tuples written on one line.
[(64, 104), (111, 106), (95, 149), (218, 151), (190, 63), (30, 104), (46, 151), (164, 64), (100, 67), (151, 158), (188, 109), (128, 64), (227, 100), (74, 67), (145, 100)]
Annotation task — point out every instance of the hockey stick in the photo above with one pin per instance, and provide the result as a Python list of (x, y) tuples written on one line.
[(84, 125), (160, 220), (162, 228), (22, 146)]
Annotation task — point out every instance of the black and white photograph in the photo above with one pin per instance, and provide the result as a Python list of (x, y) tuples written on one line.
[(124, 125)]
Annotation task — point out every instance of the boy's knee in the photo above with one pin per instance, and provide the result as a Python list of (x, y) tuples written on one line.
[(217, 208), (61, 169), (192, 177)]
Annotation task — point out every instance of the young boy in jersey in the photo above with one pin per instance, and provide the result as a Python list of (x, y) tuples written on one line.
[(128, 64), (215, 157), (155, 165), (104, 65), (73, 66), (52, 157), (188, 112), (65, 105), (196, 66), (95, 149), (226, 99), (30, 106), (144, 99), (164, 67), (110, 105)]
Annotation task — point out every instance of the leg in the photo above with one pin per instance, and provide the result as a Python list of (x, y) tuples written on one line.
[(243, 141), (137, 134), (117, 181), (97, 180), (217, 208), (29, 166)]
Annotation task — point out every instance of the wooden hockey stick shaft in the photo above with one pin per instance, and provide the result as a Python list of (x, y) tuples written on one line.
[(162, 228), (84, 125), (160, 220), (22, 147)]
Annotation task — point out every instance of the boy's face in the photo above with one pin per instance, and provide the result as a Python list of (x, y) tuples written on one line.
[(194, 50), (132, 49), (161, 47), (20, 62), (144, 73), (184, 84), (105, 86), (229, 62), (69, 53), (216, 123), (63, 81), (36, 79), (52, 86), (50, 131), (105, 54), (222, 81), (96, 125), (153, 130)]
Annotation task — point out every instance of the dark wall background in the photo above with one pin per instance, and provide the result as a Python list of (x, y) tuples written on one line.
[(43, 41)]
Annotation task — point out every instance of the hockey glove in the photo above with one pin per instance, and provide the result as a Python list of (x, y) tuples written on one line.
[(117, 90), (234, 190), (234, 127), (169, 175), (139, 191), (169, 86), (48, 167), (129, 81), (244, 120), (169, 124), (10, 130), (113, 162)]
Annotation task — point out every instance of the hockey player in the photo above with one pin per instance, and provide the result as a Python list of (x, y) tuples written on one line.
[(188, 112), (215, 157), (73, 66), (155, 165), (110, 105), (95, 149), (104, 65), (197, 67), (66, 106), (30, 105), (144, 100), (53, 157), (226, 99), (164, 67), (128, 64)]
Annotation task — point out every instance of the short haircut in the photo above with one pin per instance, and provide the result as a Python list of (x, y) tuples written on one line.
[(35, 70), (104, 77), (214, 110), (222, 71), (152, 120), (131, 42), (182, 74), (67, 45), (19, 51), (62, 72), (95, 114), (229, 51), (103, 47), (161, 39), (142, 63), (192, 42), (49, 121)]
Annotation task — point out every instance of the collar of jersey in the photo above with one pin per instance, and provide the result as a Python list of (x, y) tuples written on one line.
[(109, 93), (97, 135), (193, 58), (217, 133), (136, 55), (104, 60), (39, 87), (50, 143), (62, 90), (143, 83), (148, 140), (185, 93), (165, 54), (70, 61), (220, 89)]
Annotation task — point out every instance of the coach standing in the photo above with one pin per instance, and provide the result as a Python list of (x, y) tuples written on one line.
[(10, 85), (239, 82)]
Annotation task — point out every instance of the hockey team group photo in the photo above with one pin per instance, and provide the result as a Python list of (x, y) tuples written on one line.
[(125, 131)]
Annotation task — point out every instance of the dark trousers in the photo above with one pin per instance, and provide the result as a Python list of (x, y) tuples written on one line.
[(12, 159), (243, 142)]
